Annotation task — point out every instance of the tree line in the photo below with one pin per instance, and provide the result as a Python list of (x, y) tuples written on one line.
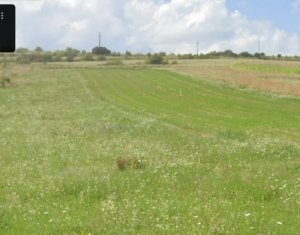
[(24, 55)]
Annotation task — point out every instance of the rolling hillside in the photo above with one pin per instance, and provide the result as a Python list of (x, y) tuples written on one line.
[(212, 159)]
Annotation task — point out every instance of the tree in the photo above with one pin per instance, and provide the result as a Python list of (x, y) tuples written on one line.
[(245, 54), (38, 49), (46, 57), (156, 59), (229, 53), (101, 51), (127, 53), (71, 53)]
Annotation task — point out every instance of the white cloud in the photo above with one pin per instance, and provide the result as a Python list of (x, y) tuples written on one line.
[(147, 25)]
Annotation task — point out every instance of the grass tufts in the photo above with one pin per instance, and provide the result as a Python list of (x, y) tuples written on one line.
[(124, 163)]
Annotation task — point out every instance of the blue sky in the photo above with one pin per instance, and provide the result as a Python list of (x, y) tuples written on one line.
[(160, 25), (281, 13)]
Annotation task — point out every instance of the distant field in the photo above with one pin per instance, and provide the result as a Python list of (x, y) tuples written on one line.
[(205, 154), (266, 76), (270, 68)]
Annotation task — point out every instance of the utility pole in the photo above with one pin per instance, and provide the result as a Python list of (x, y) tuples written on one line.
[(197, 47), (258, 45), (99, 39)]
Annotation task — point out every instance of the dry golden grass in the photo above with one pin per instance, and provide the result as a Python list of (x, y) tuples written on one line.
[(224, 71), (11, 74)]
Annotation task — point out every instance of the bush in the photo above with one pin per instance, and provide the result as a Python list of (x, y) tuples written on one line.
[(101, 51), (156, 59), (87, 57)]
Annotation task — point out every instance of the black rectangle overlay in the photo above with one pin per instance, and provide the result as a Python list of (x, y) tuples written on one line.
[(7, 28)]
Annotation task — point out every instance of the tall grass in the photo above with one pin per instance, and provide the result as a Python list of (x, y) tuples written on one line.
[(269, 68)]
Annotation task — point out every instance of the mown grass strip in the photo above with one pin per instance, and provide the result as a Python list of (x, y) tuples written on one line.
[(181, 98)]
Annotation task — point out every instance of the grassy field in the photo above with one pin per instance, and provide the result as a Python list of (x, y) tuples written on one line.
[(200, 156), (280, 77)]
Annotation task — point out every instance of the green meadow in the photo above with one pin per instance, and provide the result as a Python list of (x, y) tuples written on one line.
[(141, 150)]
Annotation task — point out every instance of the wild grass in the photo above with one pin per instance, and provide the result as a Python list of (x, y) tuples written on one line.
[(215, 159), (273, 77), (269, 68)]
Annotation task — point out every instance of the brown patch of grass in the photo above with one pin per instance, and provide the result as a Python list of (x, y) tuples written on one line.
[(222, 70), (124, 163)]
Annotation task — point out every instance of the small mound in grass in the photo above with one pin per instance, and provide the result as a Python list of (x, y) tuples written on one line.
[(124, 163)]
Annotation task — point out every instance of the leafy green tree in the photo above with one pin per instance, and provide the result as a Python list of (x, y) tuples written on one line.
[(229, 53), (101, 51), (245, 54), (38, 49)]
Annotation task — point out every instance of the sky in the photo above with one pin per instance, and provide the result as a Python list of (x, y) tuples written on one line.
[(173, 26)]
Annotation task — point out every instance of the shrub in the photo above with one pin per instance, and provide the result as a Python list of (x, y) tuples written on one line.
[(101, 51), (87, 57), (156, 59)]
